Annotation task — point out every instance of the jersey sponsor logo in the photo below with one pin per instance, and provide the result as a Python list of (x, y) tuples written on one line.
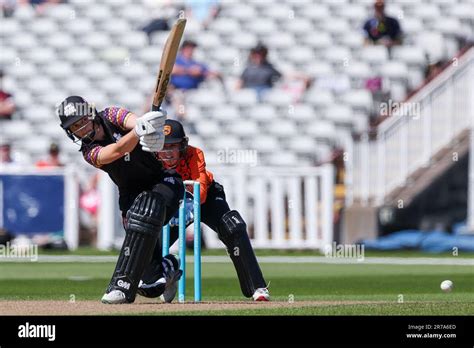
[(167, 129), (124, 285)]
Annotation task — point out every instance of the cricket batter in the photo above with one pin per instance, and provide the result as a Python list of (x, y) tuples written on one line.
[(231, 229), (123, 145)]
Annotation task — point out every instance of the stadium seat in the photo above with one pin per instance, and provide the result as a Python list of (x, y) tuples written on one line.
[(244, 97), (96, 40), (263, 112), (207, 128), (225, 113), (242, 128), (282, 128), (301, 113), (319, 98), (373, 54), (265, 143), (359, 99)]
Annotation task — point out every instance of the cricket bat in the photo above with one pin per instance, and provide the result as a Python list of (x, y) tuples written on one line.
[(168, 59)]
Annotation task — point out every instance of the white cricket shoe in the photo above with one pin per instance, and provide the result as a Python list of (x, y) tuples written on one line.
[(114, 297), (261, 294), (172, 277)]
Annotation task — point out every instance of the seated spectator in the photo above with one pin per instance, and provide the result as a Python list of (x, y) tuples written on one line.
[(204, 11), (7, 106), (187, 72), (52, 160), (5, 154), (7, 8), (259, 73), (382, 29), (161, 15)]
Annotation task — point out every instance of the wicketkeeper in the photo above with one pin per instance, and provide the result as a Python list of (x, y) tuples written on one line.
[(123, 145), (231, 228)]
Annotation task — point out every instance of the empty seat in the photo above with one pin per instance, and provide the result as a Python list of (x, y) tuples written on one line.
[(301, 112), (319, 41), (244, 97), (207, 128), (281, 40), (318, 69), (9, 27), (265, 143), (280, 12), (134, 39), (242, 127), (412, 55), (278, 97), (394, 70), (303, 144), (283, 159), (203, 98), (359, 70), (96, 70), (81, 26), (374, 54), (336, 26), (263, 26), (38, 84), (223, 142), (42, 55), (339, 114), (322, 130), (315, 11), (243, 40), (300, 55), (59, 40), (298, 27), (43, 27), (359, 99), (17, 128), (240, 11), (224, 26), (225, 112), (39, 113), (262, 112), (282, 127), (79, 56), (96, 40), (337, 54), (319, 98)]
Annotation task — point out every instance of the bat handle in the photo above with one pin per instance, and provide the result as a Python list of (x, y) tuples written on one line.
[(155, 107)]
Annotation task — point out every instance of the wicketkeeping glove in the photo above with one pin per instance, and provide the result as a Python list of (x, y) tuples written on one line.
[(188, 212)]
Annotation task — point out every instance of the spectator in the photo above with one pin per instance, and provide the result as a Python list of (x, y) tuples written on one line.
[(7, 8), (7, 106), (52, 160), (160, 20), (204, 11), (259, 73), (187, 72), (382, 29), (5, 154)]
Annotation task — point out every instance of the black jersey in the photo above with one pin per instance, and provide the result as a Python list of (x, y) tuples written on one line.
[(134, 172)]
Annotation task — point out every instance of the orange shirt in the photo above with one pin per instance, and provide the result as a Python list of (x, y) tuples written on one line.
[(193, 167)]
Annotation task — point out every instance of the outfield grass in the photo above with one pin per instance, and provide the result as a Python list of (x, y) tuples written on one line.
[(416, 285), (270, 252)]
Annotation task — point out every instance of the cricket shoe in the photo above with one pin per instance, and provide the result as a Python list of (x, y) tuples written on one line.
[(172, 275), (114, 297), (261, 295)]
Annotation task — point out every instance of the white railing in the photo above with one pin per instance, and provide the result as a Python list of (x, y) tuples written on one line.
[(285, 208), (408, 140)]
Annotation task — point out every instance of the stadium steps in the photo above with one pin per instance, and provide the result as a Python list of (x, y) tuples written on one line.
[(421, 179)]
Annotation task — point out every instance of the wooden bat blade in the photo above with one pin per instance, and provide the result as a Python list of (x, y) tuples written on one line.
[(168, 59)]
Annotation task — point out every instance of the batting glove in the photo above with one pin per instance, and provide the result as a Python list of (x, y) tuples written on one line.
[(151, 122)]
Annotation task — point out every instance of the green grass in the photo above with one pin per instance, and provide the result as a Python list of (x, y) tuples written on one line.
[(418, 284), (270, 252)]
